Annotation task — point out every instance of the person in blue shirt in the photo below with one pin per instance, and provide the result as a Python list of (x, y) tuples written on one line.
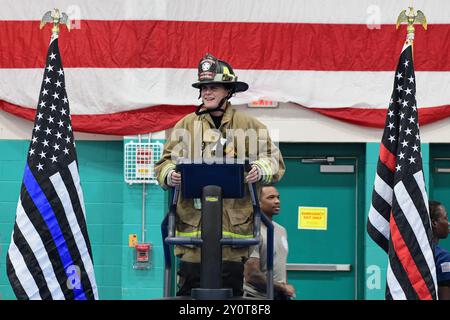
[(440, 226)]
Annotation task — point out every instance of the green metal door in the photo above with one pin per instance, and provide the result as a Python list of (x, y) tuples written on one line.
[(439, 179), (322, 263)]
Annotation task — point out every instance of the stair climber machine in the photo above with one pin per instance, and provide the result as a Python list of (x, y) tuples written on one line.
[(212, 183)]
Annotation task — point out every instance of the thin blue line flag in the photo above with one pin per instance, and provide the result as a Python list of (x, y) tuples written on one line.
[(50, 255)]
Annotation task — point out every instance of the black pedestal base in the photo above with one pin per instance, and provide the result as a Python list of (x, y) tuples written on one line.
[(211, 294)]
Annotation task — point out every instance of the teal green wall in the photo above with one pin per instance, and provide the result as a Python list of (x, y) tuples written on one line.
[(143, 284), (100, 167), (375, 258), (113, 210), (12, 163)]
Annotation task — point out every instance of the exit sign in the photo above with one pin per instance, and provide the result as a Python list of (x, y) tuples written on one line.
[(263, 103)]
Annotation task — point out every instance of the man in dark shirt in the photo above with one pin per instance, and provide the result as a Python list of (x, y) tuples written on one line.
[(439, 223)]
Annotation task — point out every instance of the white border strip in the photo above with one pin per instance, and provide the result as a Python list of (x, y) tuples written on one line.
[(370, 12), (103, 91)]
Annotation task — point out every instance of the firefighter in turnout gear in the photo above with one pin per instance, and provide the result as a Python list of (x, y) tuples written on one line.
[(217, 130)]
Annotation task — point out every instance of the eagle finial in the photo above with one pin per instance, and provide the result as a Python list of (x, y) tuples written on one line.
[(411, 18), (57, 18)]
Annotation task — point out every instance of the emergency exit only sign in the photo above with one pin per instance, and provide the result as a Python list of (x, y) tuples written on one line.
[(312, 218)]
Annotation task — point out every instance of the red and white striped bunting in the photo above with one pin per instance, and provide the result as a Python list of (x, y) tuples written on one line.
[(129, 64)]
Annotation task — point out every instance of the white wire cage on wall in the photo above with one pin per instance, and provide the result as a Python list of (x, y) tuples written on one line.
[(139, 162)]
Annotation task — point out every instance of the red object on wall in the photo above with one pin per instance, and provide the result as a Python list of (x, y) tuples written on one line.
[(142, 252)]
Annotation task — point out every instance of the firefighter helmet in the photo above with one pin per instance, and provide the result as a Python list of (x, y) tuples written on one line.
[(212, 70)]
